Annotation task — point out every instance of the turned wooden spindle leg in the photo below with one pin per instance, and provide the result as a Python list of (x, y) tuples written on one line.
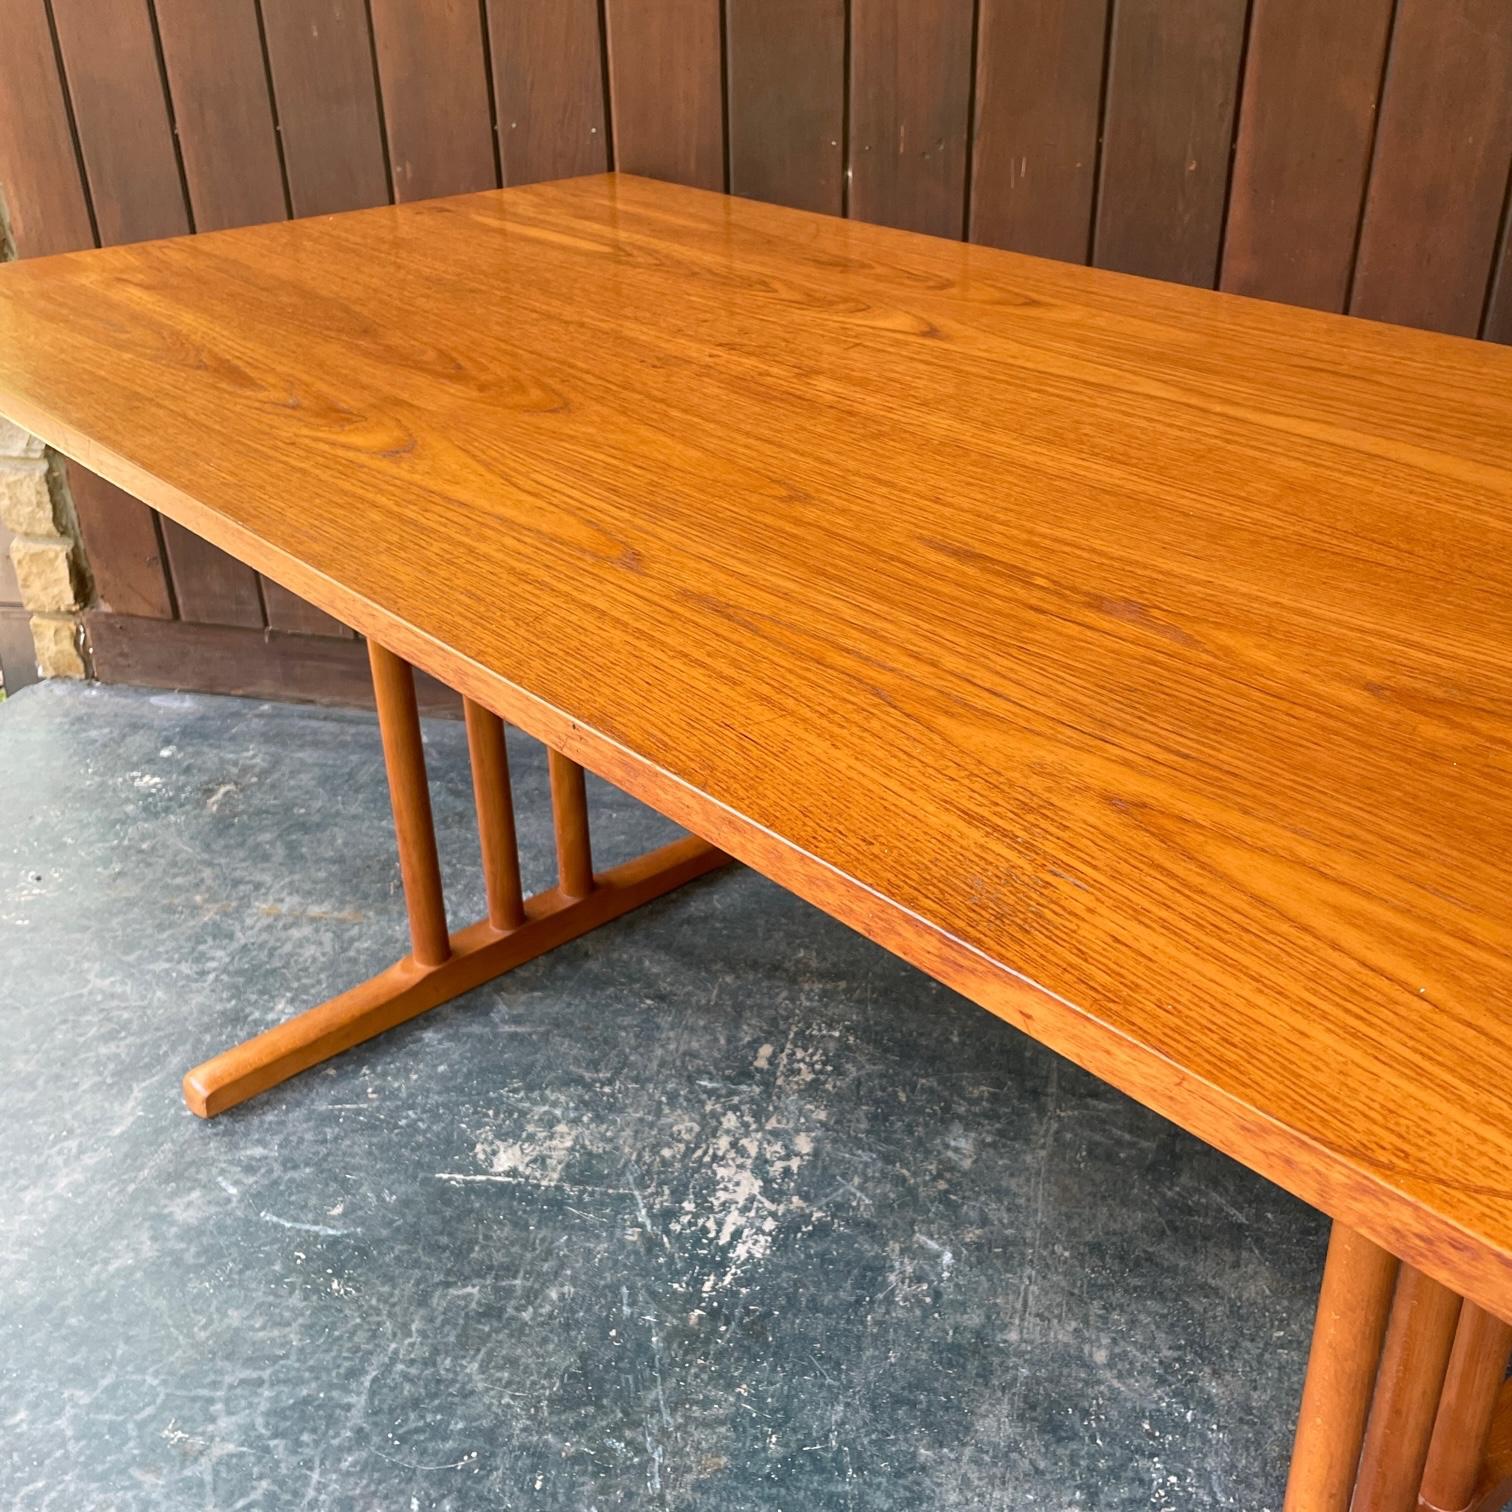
[(1408, 1387), (1353, 1305), (1405, 1408), (1477, 1368), (569, 803), (496, 824), (404, 756)]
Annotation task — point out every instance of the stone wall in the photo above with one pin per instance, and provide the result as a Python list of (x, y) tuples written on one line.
[(46, 551)]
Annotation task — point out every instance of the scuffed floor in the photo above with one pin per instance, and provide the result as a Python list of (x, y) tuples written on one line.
[(720, 1208)]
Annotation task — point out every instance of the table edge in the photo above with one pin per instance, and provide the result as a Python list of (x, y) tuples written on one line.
[(1336, 1182)]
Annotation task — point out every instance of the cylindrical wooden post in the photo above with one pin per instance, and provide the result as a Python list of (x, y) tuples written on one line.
[(404, 755), (569, 807), (1341, 1369), (1482, 1345), (1408, 1387), (496, 824)]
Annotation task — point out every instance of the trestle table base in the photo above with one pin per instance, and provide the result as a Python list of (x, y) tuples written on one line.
[(442, 966), (1404, 1408)]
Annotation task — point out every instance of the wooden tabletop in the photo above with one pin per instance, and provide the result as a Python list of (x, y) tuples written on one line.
[(1135, 658)]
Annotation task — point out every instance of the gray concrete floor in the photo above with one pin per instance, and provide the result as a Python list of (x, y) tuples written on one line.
[(719, 1208)]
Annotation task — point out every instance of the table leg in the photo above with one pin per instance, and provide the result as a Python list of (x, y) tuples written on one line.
[(569, 809), (1353, 1305), (1407, 1391), (1457, 1455), (494, 800), (1403, 1409), (409, 795), (441, 965)]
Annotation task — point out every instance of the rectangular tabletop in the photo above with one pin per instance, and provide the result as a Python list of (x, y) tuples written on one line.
[(1136, 659)]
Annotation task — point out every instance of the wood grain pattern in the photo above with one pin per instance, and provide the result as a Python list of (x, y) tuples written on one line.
[(43, 205), (664, 73), (1303, 151), (1173, 77), (1038, 109), (787, 101), (548, 88), (910, 83), (435, 96), (1303, 143), (1095, 652), (320, 57), (1442, 155)]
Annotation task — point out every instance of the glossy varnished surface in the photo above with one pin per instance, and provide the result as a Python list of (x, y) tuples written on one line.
[(1131, 657), (650, 1144)]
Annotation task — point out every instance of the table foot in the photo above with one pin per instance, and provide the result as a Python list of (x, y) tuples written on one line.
[(441, 966), (1403, 1409)]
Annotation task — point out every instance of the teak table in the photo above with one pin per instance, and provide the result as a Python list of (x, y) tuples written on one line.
[(1135, 659)]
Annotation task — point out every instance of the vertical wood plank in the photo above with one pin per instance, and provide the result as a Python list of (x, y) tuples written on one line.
[(1039, 104), (1172, 82), (435, 96), (126, 139), (1439, 181), (122, 544), (42, 195), (320, 56), (1499, 307), (548, 88), (110, 62), (218, 84), (325, 98), (287, 611), (666, 90), (1305, 134), (910, 84), (786, 81), (219, 89), (212, 587)]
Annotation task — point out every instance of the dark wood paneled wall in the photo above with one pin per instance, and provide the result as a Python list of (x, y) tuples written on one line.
[(1347, 154)]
